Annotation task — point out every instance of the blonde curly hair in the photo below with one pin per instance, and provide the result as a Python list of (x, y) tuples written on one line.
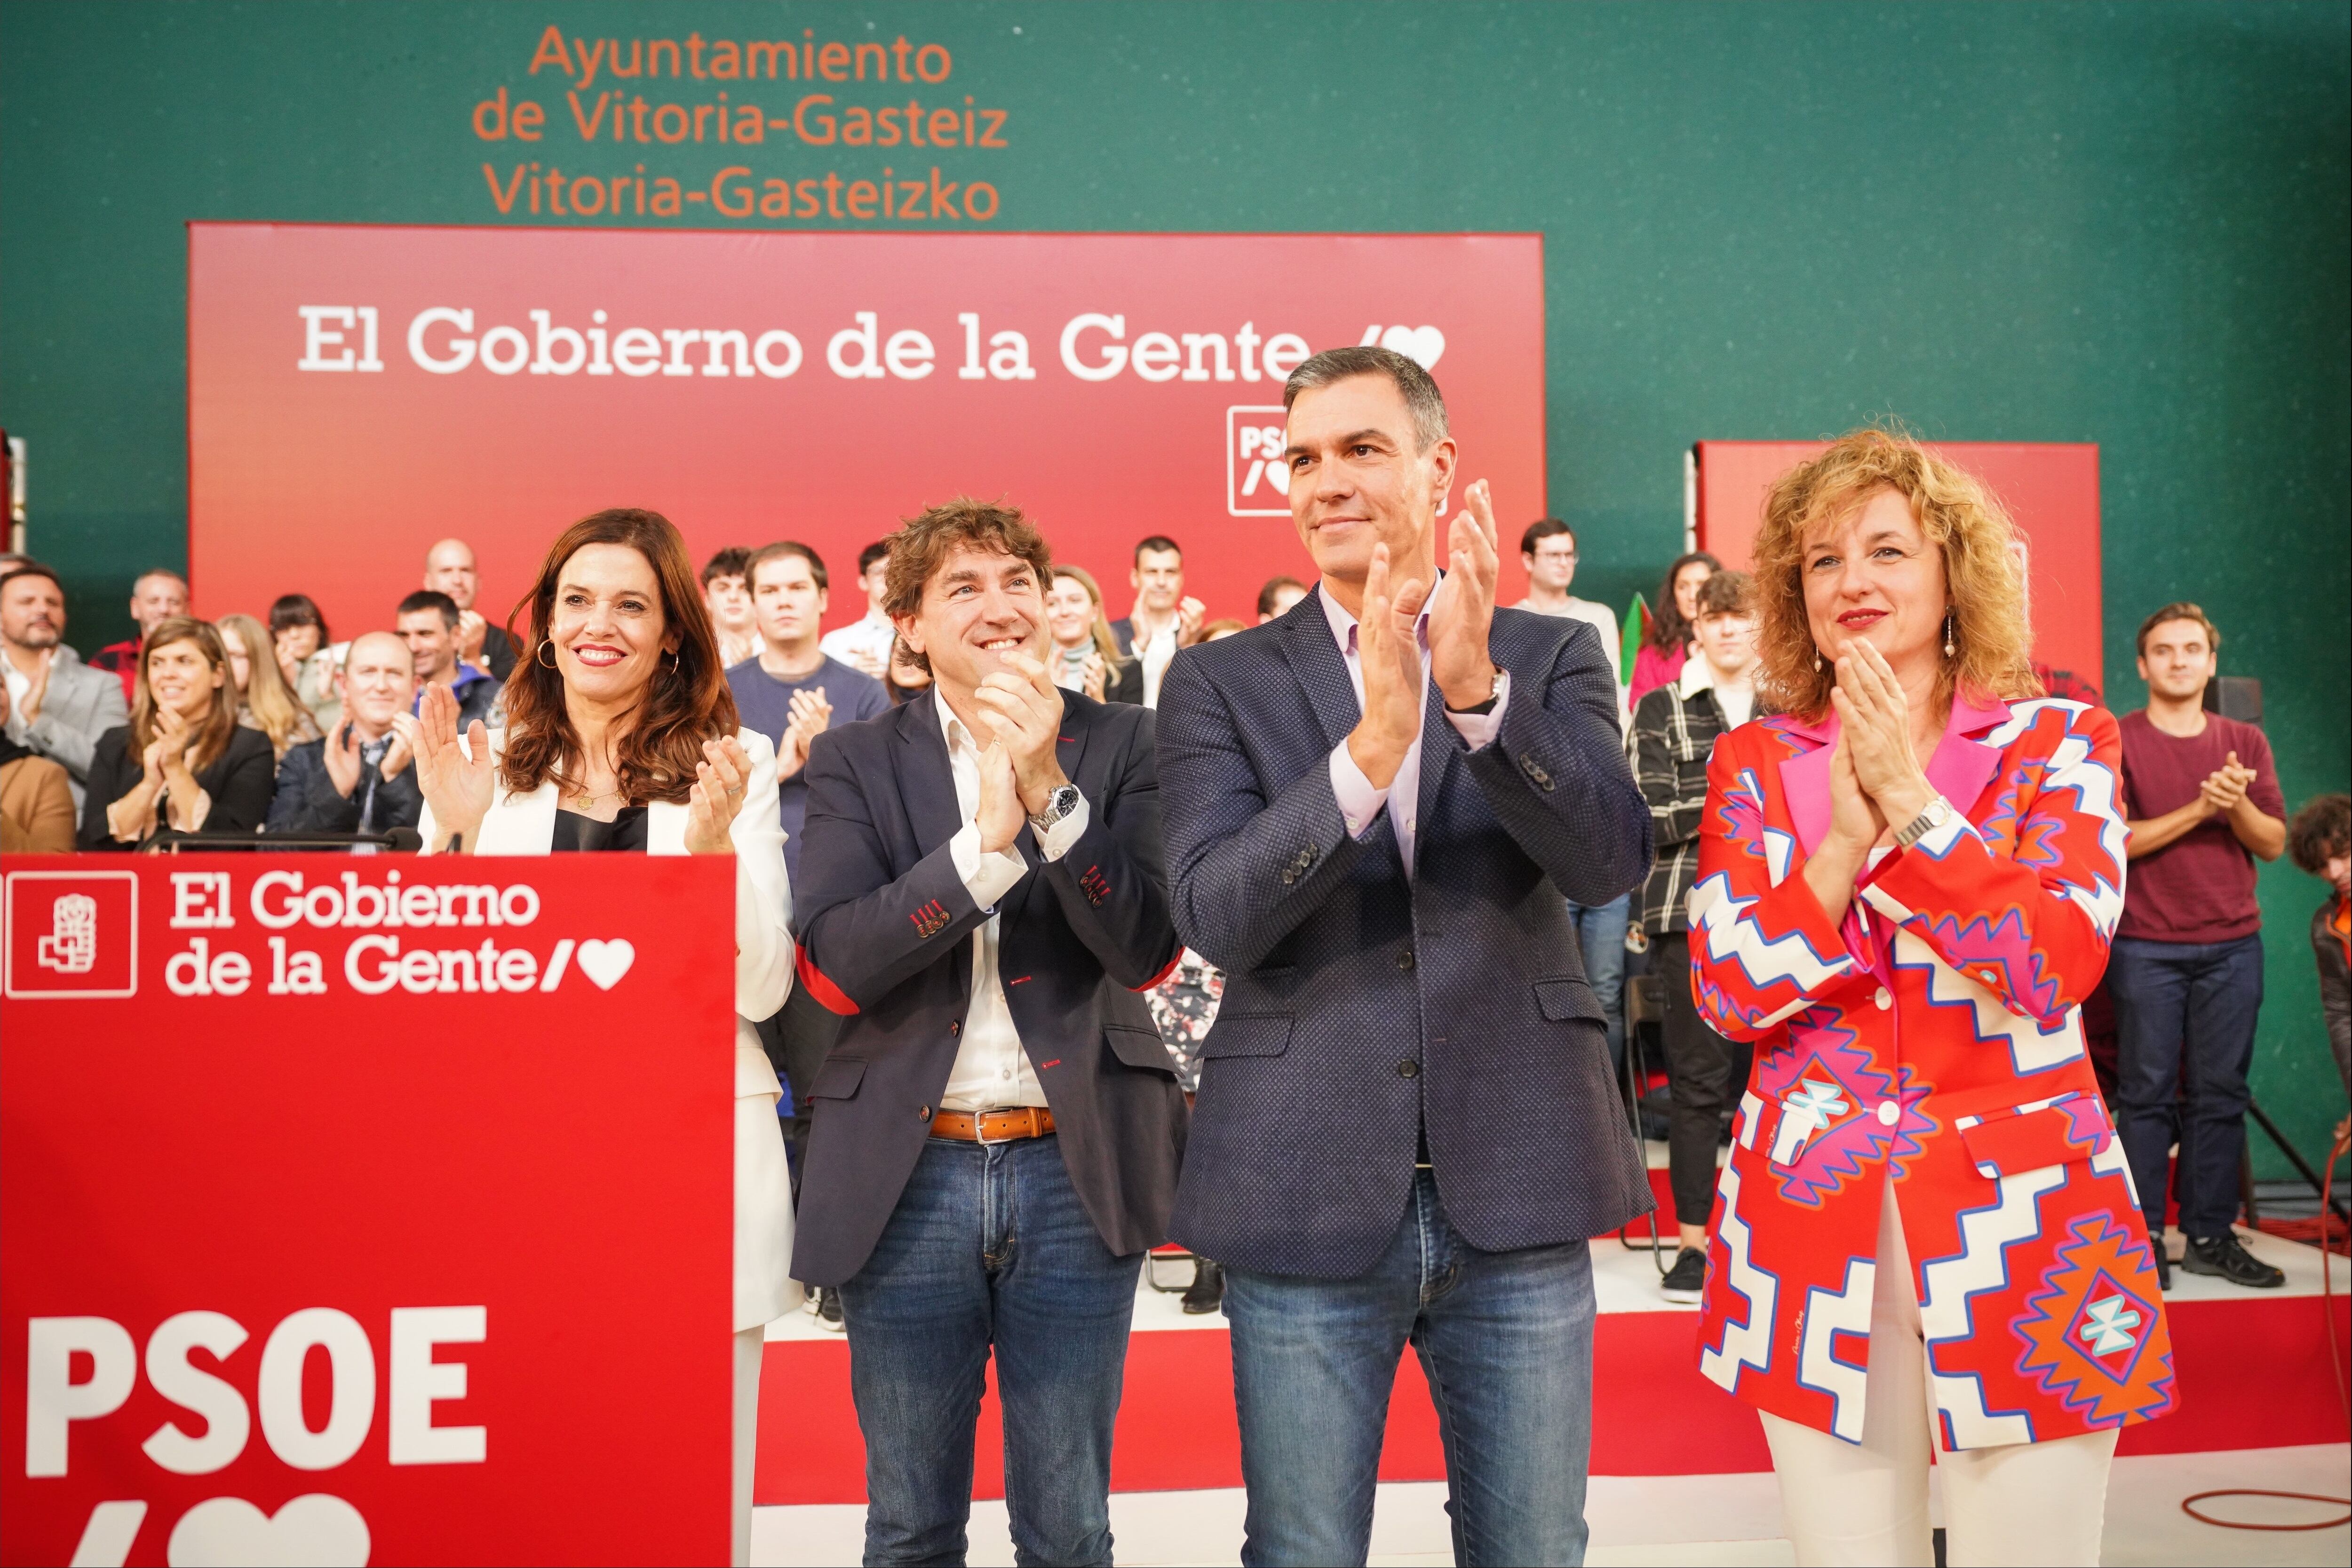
[(1983, 569)]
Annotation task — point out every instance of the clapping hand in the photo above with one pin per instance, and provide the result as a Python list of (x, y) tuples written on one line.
[(1190, 615), (471, 629), (342, 758), (1020, 704), (1094, 674), (2225, 786), (810, 714), (716, 797), (1459, 626), (457, 785), (1875, 733), (403, 750), (1391, 656)]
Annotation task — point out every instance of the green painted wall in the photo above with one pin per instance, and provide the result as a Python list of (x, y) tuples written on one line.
[(2119, 223)]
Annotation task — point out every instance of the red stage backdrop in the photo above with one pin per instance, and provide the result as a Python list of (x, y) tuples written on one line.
[(365, 1210), (2052, 491), (358, 393)]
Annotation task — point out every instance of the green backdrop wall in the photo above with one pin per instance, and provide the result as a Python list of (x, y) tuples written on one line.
[(2119, 223)]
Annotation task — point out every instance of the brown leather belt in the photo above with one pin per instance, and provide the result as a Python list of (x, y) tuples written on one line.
[(992, 1126)]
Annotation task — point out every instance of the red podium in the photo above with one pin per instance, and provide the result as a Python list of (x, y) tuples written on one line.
[(365, 1209)]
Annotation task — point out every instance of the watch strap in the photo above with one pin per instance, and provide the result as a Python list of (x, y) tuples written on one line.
[(1935, 813)]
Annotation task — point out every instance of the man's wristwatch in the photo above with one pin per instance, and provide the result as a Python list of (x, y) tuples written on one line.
[(1494, 695), (1058, 805), (1936, 813)]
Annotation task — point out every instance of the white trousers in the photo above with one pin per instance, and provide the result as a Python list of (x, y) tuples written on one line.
[(1867, 1504), (748, 1351)]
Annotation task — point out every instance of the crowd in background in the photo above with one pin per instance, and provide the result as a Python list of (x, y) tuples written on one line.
[(270, 725)]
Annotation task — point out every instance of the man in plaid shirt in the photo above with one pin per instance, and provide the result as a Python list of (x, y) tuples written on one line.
[(1674, 729)]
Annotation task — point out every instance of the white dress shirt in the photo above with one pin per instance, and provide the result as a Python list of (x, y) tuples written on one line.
[(1360, 801), (20, 685), (991, 1069), (1157, 654), (870, 635), (1737, 702)]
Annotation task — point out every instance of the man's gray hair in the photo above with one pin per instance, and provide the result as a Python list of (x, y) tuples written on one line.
[(1414, 384)]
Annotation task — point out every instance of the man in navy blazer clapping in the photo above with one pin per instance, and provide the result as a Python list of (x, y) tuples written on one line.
[(995, 1133), (1406, 1125)]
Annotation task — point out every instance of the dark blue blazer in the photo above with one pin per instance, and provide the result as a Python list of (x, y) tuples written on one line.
[(886, 930), (1360, 1006)]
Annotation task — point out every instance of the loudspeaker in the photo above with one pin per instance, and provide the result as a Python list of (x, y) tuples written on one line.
[(2235, 697)]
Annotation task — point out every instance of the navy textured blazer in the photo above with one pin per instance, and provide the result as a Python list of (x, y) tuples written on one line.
[(887, 929), (1359, 1003)]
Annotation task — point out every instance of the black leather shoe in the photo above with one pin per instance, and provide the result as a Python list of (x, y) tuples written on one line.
[(1686, 1279), (1207, 1291), (2225, 1258), (2163, 1267)]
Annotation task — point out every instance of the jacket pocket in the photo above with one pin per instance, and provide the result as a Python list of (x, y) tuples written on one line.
[(1139, 1048), (838, 1078), (1248, 1035), (1562, 999), (2035, 1135)]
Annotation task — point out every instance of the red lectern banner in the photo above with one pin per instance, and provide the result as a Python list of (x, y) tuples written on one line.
[(363, 1210), (355, 394)]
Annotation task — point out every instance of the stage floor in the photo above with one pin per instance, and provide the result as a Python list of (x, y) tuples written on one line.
[(1680, 1470), (1721, 1519)]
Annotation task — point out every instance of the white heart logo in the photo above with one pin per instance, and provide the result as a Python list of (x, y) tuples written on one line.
[(313, 1529), (605, 962), (1420, 345)]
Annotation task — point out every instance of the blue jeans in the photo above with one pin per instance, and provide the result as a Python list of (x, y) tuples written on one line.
[(989, 1245), (1506, 1342), (2197, 1001), (1600, 933)]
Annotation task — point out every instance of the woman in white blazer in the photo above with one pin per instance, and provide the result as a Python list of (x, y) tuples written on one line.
[(622, 736)]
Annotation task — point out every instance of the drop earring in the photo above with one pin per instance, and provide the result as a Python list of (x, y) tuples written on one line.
[(1948, 649), (1817, 661)]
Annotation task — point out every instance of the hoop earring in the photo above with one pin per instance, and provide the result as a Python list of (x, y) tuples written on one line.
[(673, 661), (545, 646), (1948, 649)]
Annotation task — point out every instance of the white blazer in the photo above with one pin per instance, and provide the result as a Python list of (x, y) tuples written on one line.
[(525, 825)]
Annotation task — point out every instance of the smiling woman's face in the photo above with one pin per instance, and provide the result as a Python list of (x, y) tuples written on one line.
[(1872, 574), (183, 678), (607, 627), (1070, 612)]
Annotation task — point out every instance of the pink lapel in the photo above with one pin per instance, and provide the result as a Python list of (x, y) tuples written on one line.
[(1959, 770)]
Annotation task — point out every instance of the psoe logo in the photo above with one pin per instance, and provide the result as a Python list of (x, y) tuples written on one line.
[(1257, 481), (72, 933)]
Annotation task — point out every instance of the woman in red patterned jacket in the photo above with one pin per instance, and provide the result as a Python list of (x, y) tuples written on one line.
[(1907, 885)]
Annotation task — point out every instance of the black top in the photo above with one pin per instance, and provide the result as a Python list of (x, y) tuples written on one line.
[(239, 781), (575, 831), (499, 652)]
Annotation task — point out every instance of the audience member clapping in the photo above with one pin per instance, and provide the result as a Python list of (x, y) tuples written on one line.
[(298, 635), (359, 779), (184, 762), (36, 805), (865, 644), (57, 706), (157, 595), (431, 623), (793, 691), (728, 597), (449, 569), (265, 701), (1165, 618), (1086, 656)]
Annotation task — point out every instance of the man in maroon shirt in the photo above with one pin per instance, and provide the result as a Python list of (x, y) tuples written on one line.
[(2202, 800)]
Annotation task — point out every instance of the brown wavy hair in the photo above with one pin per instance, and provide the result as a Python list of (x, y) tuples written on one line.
[(923, 543), (1983, 569), (219, 722), (686, 702)]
